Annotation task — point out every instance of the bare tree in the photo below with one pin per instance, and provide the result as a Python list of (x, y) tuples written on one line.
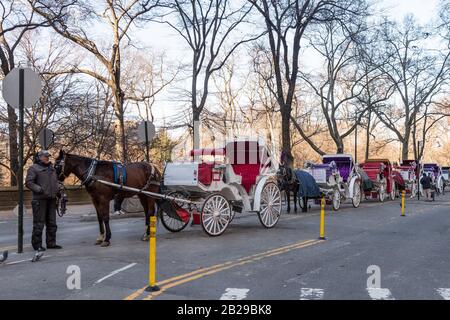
[(418, 74), (15, 21), (340, 82), (211, 30), (286, 23), (119, 16)]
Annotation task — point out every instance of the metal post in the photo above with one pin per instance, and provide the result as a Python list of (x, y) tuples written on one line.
[(147, 148), (418, 171), (152, 257), (403, 203), (322, 219), (356, 144), (20, 173)]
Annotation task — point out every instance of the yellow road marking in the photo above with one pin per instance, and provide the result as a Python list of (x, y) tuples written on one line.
[(219, 267), (246, 261)]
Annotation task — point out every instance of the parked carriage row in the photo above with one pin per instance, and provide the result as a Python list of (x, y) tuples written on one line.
[(243, 177)]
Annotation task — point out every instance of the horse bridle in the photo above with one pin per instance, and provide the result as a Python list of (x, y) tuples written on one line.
[(61, 164)]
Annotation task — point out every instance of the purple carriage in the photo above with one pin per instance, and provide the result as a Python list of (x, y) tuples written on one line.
[(435, 171), (338, 179)]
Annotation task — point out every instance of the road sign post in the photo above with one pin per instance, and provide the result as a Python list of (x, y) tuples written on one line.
[(146, 132), (21, 88), (20, 173), (46, 138)]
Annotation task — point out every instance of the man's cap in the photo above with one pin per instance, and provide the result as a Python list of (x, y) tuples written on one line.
[(44, 153)]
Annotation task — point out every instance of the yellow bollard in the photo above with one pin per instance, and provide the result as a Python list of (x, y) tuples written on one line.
[(403, 203), (152, 257), (322, 219)]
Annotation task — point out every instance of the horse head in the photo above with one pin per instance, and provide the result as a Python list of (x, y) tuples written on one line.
[(60, 166)]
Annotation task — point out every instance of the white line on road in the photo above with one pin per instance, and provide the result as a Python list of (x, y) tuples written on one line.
[(380, 294), (26, 260), (234, 294), (131, 265), (444, 292), (311, 294)]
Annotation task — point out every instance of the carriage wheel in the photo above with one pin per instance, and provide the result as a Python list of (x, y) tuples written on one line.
[(216, 215), (381, 193), (172, 224), (393, 192), (357, 195), (300, 202), (336, 200), (270, 209)]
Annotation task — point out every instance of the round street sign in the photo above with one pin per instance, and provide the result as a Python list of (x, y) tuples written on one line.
[(32, 87), (46, 138), (146, 135)]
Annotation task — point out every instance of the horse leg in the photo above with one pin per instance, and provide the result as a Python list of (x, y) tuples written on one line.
[(305, 204), (104, 214), (295, 201), (144, 202), (288, 198), (101, 235)]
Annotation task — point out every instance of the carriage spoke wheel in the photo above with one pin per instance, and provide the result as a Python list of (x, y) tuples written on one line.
[(270, 207), (393, 191), (216, 215), (173, 224), (357, 195), (381, 193), (336, 200)]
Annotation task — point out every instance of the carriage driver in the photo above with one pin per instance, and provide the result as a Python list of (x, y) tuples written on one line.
[(43, 182)]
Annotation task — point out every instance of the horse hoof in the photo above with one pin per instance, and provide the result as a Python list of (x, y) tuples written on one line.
[(105, 244), (145, 237)]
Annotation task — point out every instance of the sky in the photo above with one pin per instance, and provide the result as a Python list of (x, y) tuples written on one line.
[(163, 39)]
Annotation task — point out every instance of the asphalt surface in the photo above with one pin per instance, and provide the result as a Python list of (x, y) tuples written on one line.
[(247, 261)]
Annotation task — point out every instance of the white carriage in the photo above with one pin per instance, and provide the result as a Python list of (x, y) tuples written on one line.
[(338, 179), (410, 171), (437, 178), (241, 177)]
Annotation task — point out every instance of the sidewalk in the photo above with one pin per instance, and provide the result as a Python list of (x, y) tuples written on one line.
[(85, 212)]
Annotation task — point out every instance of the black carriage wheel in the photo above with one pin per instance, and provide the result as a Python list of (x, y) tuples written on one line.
[(172, 224)]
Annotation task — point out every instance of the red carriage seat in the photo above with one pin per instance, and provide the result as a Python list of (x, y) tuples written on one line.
[(244, 157), (372, 169), (205, 169), (205, 173)]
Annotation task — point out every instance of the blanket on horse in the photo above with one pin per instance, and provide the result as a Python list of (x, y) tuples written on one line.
[(120, 173), (307, 185), (367, 184)]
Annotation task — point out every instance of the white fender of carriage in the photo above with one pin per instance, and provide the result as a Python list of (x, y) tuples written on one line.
[(352, 186), (235, 191), (258, 191)]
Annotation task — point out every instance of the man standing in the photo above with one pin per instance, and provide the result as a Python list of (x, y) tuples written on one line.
[(42, 181), (426, 185)]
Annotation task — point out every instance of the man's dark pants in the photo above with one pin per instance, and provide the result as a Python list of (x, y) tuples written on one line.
[(44, 214)]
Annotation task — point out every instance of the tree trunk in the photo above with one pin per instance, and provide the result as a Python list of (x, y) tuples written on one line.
[(366, 156), (13, 146), (405, 144), (285, 133), (121, 148)]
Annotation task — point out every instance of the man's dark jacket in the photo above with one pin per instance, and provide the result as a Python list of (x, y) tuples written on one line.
[(42, 180), (426, 182)]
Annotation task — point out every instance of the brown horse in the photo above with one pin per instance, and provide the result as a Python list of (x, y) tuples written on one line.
[(139, 175)]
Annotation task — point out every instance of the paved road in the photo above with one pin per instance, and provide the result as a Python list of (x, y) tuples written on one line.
[(248, 261)]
